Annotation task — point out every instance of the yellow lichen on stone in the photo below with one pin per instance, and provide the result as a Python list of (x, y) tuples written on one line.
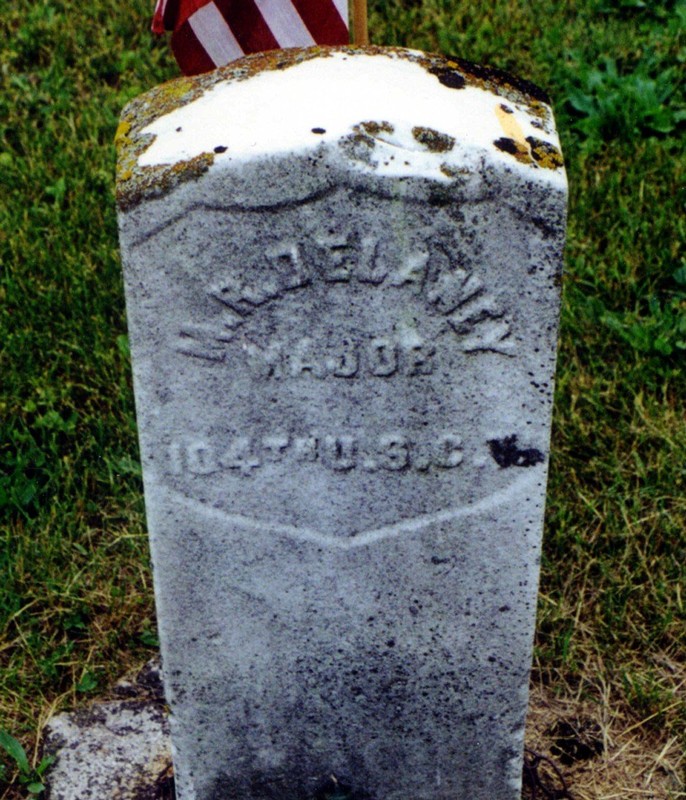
[(540, 110), (523, 154), (546, 155), (134, 183), (175, 90), (375, 128), (121, 136), (527, 150), (434, 141), (453, 172)]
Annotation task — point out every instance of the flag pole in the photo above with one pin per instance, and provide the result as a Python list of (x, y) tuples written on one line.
[(360, 32)]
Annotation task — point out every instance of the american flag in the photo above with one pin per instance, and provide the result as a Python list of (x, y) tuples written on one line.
[(210, 33)]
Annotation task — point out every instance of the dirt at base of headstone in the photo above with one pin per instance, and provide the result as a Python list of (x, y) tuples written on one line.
[(119, 750)]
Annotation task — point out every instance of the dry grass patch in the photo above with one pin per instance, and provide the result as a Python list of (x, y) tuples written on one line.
[(603, 750)]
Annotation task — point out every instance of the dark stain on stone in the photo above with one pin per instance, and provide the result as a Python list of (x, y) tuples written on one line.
[(434, 141), (506, 144), (506, 109), (220, 148), (319, 130), (517, 149), (334, 789), (489, 75), (506, 453), (439, 197), (449, 78), (162, 789), (149, 679), (166, 790), (289, 787)]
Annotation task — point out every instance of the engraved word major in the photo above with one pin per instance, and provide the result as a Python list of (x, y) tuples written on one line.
[(449, 290)]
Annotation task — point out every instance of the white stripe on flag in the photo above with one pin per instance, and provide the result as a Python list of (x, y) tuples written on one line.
[(285, 23), (214, 35), (342, 8)]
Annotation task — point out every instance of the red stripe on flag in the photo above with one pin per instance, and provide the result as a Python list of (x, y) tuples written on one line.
[(200, 40), (172, 11), (323, 21), (161, 8), (188, 51), (171, 14), (247, 25)]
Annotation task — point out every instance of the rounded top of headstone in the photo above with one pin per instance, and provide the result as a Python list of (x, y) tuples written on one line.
[(390, 111)]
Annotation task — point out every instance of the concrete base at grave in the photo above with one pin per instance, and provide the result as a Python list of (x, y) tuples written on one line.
[(118, 749), (342, 273)]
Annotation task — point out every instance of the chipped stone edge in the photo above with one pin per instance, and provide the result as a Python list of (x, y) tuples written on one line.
[(135, 184)]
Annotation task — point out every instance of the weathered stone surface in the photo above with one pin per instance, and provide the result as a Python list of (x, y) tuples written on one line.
[(114, 750), (342, 276)]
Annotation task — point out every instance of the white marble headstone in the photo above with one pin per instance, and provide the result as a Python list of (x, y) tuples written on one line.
[(342, 272)]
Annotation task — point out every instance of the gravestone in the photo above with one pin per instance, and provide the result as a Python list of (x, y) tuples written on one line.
[(342, 274)]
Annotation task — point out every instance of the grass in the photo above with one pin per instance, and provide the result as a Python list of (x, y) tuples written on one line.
[(76, 600)]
